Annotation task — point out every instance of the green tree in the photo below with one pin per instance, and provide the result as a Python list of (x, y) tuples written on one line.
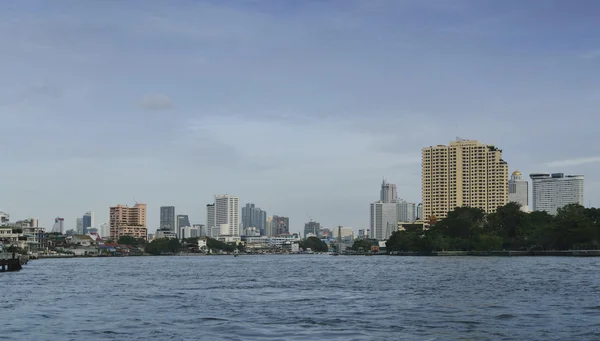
[(132, 241), (315, 244)]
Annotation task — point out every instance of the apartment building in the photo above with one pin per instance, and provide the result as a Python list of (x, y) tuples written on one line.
[(128, 221), (464, 173)]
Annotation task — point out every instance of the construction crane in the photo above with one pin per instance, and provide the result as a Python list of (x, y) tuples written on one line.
[(310, 219)]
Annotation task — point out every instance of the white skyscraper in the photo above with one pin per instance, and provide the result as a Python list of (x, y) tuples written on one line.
[(384, 219), (518, 190), (554, 191), (406, 211), (227, 211), (104, 230)]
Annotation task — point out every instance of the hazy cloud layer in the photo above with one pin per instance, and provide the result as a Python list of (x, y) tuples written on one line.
[(296, 106)]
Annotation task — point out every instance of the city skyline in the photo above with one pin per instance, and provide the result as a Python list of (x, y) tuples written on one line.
[(350, 108)]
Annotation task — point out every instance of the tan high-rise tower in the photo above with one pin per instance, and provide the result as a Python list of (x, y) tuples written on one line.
[(465, 173), (128, 221)]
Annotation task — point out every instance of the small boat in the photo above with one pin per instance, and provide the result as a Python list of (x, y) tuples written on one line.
[(335, 254)]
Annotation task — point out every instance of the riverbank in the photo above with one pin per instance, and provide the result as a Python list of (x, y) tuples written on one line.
[(567, 253)]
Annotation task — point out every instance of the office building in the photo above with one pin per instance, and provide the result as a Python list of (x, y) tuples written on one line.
[(554, 191), (464, 173), (87, 221), (167, 218), (253, 216), (420, 211), (312, 228), (406, 211), (227, 212), (201, 229), (210, 219), (128, 221), (183, 220), (280, 225), (79, 226), (384, 217), (518, 190), (388, 192)]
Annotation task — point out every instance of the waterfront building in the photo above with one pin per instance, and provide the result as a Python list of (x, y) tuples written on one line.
[(556, 190), (312, 227), (464, 173), (384, 217), (388, 192), (128, 221), (165, 234), (87, 221), (253, 216), (518, 190), (270, 226), (227, 212), (188, 232), (79, 226), (167, 218)]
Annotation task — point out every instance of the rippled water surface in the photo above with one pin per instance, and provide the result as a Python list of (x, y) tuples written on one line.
[(302, 298)]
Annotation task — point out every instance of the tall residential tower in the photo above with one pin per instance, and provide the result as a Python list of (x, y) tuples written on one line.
[(167, 218), (465, 173)]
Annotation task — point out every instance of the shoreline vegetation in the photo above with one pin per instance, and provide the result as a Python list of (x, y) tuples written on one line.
[(573, 230)]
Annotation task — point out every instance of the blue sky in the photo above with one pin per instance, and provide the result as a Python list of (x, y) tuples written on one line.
[(296, 106)]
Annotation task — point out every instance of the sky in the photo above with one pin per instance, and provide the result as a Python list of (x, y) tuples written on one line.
[(300, 107)]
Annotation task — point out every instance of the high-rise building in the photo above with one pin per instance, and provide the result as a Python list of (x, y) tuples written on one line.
[(253, 216), (104, 230), (388, 192), (465, 173), (201, 229), (280, 225), (227, 212), (88, 221), (59, 225), (79, 226), (211, 221), (183, 220), (384, 219), (128, 221), (312, 227), (518, 190), (363, 234), (554, 191), (420, 211), (167, 218), (406, 211)]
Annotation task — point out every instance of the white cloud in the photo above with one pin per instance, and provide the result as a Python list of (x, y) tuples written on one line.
[(573, 162), (156, 102)]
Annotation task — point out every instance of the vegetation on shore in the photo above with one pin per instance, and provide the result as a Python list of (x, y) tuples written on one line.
[(315, 244), (574, 227)]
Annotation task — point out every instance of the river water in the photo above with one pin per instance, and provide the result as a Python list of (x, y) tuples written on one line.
[(304, 297)]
